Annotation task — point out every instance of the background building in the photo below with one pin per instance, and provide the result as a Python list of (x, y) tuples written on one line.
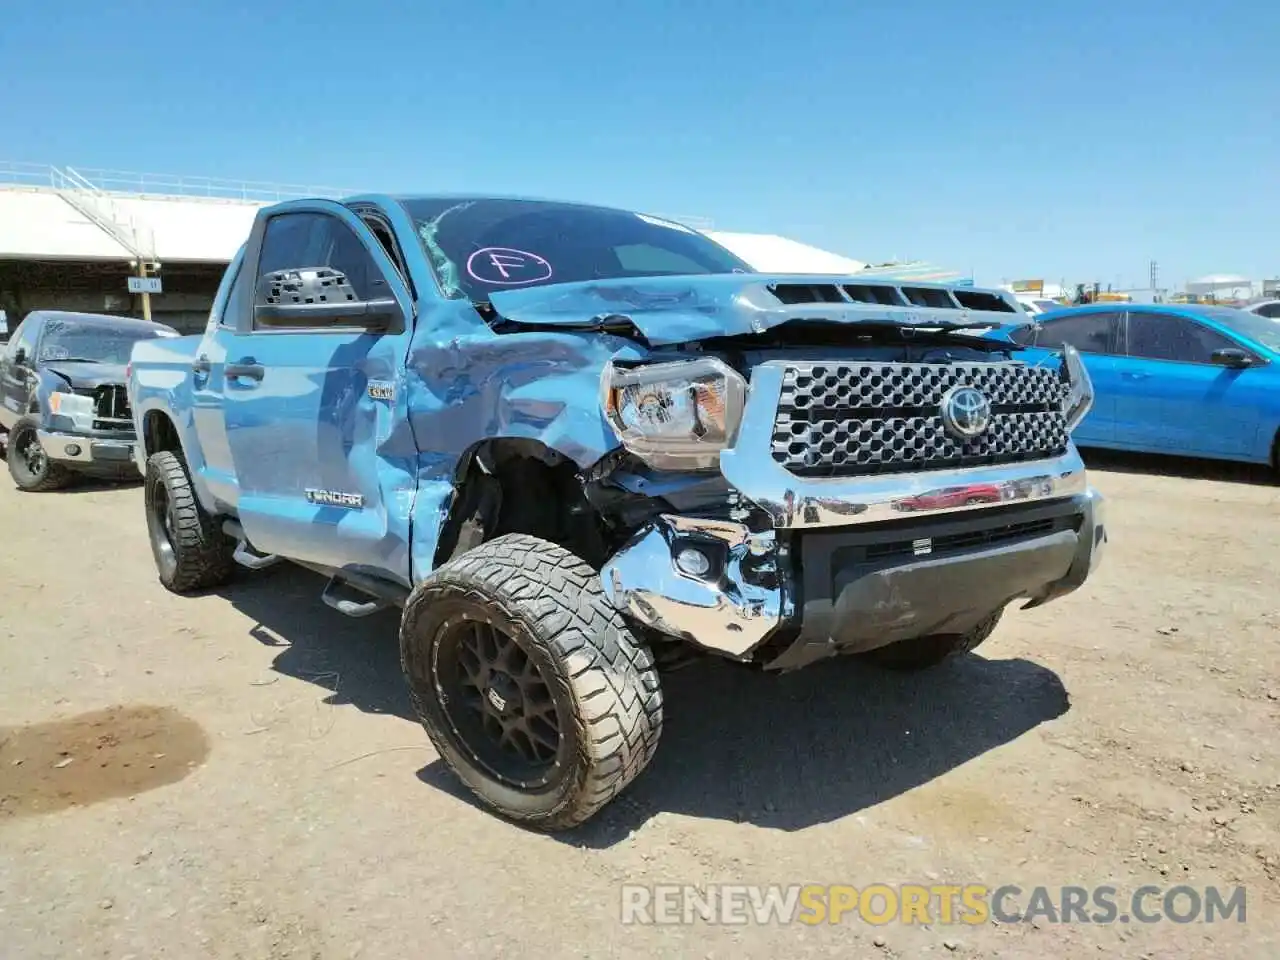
[(72, 239)]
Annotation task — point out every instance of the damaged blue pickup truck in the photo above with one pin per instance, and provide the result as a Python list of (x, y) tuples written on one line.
[(578, 446)]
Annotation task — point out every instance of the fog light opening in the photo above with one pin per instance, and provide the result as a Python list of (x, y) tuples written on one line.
[(73, 449), (692, 561)]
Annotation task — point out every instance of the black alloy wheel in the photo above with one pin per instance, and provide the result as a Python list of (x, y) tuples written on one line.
[(29, 464), (497, 702), (189, 547), (531, 686), (160, 523)]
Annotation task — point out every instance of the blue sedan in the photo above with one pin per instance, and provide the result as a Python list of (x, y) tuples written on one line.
[(1190, 380)]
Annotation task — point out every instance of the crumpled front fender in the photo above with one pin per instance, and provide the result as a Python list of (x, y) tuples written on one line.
[(479, 385)]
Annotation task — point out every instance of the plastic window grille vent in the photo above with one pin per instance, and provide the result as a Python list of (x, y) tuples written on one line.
[(320, 286)]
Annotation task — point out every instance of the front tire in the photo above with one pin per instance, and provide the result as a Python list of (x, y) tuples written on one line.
[(529, 683), (921, 653), (190, 549), (29, 464)]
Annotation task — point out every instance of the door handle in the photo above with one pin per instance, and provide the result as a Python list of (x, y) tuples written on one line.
[(201, 364), (247, 367), (1132, 375)]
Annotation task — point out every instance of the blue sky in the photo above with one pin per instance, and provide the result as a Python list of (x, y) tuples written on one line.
[(1074, 140)]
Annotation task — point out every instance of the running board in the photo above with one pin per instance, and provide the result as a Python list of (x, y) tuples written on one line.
[(381, 595), (245, 554), (378, 594)]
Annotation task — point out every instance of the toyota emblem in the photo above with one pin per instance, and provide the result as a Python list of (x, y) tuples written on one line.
[(966, 413)]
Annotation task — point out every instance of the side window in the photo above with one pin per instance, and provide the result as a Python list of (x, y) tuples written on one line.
[(1087, 332), (1271, 310), (385, 239), (645, 258), (297, 240), (1164, 336), (226, 309), (234, 298), (24, 339)]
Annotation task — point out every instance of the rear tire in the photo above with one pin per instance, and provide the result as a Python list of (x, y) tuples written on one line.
[(29, 464), (920, 653), (529, 683), (190, 549)]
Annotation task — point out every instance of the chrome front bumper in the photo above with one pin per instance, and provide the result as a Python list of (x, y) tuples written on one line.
[(85, 450), (749, 593), (731, 610)]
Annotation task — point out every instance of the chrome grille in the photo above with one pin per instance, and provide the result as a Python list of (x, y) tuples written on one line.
[(867, 418)]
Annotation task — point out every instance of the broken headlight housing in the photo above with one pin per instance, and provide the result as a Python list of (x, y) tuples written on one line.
[(79, 410), (675, 416), (1079, 399)]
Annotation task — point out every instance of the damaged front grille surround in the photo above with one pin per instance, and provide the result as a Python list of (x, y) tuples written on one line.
[(857, 419), (795, 500), (111, 406), (744, 600)]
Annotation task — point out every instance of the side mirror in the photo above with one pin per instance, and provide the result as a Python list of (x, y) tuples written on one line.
[(1232, 357), (20, 356), (321, 297)]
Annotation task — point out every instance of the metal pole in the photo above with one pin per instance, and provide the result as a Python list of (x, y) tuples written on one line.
[(146, 297)]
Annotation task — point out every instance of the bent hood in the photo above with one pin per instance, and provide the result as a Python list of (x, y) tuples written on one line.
[(669, 310), (86, 376)]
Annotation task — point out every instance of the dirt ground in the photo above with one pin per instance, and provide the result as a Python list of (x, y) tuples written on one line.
[(238, 776)]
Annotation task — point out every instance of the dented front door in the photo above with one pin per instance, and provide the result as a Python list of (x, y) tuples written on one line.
[(321, 451)]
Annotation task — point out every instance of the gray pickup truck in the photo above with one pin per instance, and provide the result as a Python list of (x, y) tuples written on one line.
[(63, 408), (577, 445)]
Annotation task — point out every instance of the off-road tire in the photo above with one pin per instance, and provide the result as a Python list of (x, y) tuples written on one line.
[(602, 679), (52, 476), (921, 653), (201, 554)]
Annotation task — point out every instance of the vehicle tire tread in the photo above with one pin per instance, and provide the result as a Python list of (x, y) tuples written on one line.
[(203, 556), (55, 475), (610, 675)]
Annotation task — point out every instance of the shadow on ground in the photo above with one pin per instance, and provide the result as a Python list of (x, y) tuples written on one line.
[(784, 752), (1188, 468), (357, 660), (97, 485), (789, 752)]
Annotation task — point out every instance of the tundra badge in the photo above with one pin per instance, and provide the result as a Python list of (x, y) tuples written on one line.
[(335, 498)]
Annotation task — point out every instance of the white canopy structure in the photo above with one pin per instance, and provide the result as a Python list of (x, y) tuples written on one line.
[(44, 223), (770, 253), (1230, 286), (918, 270)]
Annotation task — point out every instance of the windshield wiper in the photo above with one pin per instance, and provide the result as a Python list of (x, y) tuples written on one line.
[(74, 360), (945, 327), (617, 324), (945, 334)]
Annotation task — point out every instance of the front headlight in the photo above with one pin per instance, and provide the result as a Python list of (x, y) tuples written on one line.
[(1079, 387), (79, 410), (675, 415)]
